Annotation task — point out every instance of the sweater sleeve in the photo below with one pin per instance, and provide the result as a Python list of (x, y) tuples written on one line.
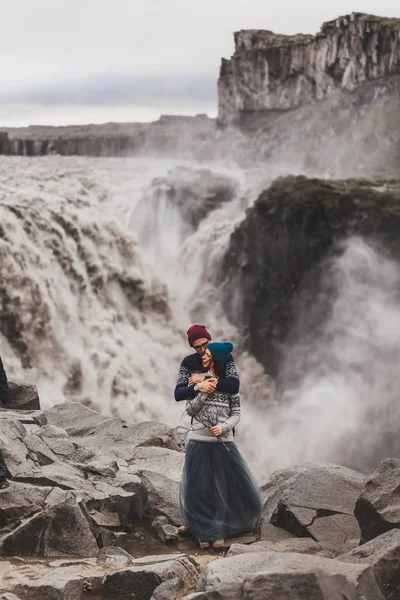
[(235, 414), (5, 396), (230, 383), (183, 391)]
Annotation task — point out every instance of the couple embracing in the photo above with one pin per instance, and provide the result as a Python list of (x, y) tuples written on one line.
[(219, 495)]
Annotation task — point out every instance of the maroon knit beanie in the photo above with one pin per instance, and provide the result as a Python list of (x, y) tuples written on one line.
[(195, 332)]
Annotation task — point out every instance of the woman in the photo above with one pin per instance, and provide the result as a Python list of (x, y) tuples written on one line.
[(219, 495)]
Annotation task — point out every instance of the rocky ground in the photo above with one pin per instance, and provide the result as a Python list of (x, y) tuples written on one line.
[(93, 508)]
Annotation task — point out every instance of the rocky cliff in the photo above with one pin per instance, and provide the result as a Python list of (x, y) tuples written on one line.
[(172, 136), (279, 72), (275, 255), (327, 104)]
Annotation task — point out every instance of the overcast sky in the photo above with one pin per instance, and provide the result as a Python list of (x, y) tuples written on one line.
[(143, 52)]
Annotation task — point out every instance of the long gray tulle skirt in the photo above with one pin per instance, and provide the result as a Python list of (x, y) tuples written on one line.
[(219, 496)]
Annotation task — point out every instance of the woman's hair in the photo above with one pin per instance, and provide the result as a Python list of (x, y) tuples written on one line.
[(220, 352)]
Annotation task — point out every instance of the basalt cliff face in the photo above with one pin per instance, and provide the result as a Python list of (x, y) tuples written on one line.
[(171, 136), (326, 104), (280, 72), (279, 254)]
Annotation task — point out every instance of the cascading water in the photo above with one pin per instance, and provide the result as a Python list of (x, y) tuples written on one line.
[(90, 315), (83, 315)]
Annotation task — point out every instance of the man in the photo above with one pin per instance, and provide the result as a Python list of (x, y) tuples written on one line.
[(191, 378), (5, 398)]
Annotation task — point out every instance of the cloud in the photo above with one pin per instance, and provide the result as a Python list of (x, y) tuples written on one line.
[(121, 89)]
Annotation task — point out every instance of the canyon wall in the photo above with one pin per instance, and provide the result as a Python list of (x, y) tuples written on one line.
[(279, 72)]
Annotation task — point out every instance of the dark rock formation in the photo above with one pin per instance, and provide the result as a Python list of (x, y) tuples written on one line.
[(275, 254), (279, 72), (377, 508)]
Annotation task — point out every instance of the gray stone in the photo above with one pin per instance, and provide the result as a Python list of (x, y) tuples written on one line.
[(68, 532), (317, 500), (378, 509), (158, 460), (39, 451), (167, 590), (25, 539), (60, 474), (383, 555), (164, 530), (74, 418), (21, 500), (271, 533), (52, 431), (12, 434), (287, 576), (60, 530), (145, 579), (104, 468), (298, 545), (113, 558), (24, 396), (162, 496)]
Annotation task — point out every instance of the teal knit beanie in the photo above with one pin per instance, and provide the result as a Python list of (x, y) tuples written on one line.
[(220, 351)]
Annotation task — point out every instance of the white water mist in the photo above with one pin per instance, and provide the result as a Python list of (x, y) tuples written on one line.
[(341, 378)]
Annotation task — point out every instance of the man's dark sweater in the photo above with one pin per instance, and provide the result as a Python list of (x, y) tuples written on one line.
[(193, 364)]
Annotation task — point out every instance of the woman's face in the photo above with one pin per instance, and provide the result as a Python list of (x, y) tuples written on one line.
[(207, 359)]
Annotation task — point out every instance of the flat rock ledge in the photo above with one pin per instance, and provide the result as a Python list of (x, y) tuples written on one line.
[(93, 508)]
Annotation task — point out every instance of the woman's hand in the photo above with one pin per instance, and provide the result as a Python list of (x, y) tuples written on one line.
[(196, 378), (208, 385), (216, 430)]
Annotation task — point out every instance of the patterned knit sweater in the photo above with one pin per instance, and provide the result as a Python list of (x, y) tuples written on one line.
[(193, 364), (208, 410)]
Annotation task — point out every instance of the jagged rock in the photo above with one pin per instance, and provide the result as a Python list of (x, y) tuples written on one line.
[(298, 545), (377, 509), (21, 500), (164, 461), (59, 474), (24, 396), (59, 580), (271, 533), (39, 451), (116, 504), (162, 496), (383, 555), (104, 468), (113, 557), (120, 438), (146, 578), (164, 530), (317, 500), (167, 590), (59, 530), (287, 576), (15, 453), (74, 418)]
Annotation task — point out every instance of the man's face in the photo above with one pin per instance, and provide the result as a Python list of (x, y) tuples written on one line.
[(200, 345)]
